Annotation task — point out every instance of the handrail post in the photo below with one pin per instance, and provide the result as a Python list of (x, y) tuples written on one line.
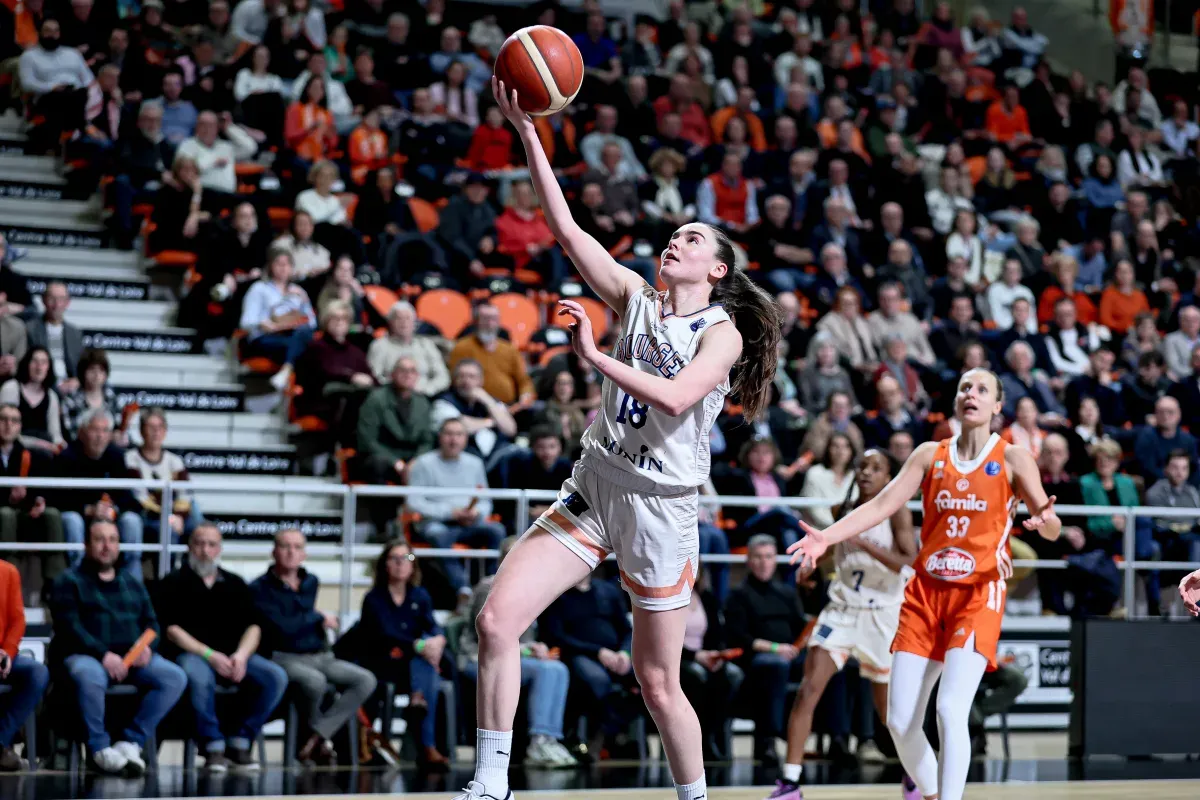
[(522, 516), (349, 516), (165, 534), (1130, 553)]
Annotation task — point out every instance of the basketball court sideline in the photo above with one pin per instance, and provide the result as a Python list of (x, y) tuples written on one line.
[(1072, 790)]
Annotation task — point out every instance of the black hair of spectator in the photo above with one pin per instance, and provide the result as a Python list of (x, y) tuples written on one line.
[(324, 101), (95, 522), (827, 460), (757, 441), (452, 420), (760, 321), (1180, 453), (381, 576), (468, 362), (1151, 358), (23, 368), (540, 432), (93, 357)]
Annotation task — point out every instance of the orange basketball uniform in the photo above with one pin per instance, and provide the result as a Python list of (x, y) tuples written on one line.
[(965, 557)]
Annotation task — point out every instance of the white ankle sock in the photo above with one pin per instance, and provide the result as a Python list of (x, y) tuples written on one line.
[(791, 772), (693, 791), (492, 751)]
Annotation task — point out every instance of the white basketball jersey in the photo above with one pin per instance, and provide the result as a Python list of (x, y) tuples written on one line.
[(642, 448), (863, 582)]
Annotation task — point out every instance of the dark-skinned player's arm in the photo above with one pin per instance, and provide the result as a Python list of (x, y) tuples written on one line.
[(1027, 483), (882, 506)]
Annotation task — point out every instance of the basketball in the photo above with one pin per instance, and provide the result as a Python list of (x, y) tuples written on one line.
[(544, 66)]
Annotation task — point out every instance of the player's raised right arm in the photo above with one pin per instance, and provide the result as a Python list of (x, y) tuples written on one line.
[(880, 507), (608, 279)]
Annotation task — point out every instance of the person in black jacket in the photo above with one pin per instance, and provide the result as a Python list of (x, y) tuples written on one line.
[(286, 596), (764, 619), (589, 626), (467, 229), (708, 678), (93, 455), (24, 510)]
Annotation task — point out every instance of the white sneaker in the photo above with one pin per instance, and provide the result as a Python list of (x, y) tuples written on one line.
[(279, 381), (110, 760), (869, 752), (562, 755), (540, 754), (133, 756), (477, 791)]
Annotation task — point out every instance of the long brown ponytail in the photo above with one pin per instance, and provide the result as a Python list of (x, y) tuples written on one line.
[(760, 320)]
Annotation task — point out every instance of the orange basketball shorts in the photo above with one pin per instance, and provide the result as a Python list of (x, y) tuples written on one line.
[(938, 616)]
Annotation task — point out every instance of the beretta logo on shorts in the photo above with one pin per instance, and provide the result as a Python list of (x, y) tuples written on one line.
[(946, 501), (950, 564)]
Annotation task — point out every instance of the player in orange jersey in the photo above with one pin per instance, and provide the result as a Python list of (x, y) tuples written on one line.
[(950, 619)]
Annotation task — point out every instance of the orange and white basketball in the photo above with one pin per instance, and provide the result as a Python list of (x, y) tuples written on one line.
[(544, 66)]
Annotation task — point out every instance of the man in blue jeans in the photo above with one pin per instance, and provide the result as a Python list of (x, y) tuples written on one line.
[(94, 455), (99, 614), (210, 622), (28, 678)]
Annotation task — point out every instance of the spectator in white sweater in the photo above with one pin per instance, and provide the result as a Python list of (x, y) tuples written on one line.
[(58, 78), (403, 342), (278, 316), (892, 319), (215, 156), (1177, 346), (336, 99), (328, 212), (1004, 292), (449, 520)]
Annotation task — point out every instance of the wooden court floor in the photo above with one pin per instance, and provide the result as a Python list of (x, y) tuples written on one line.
[(1075, 790)]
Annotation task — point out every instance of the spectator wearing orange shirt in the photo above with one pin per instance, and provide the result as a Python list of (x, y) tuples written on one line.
[(491, 144), (368, 147), (28, 678), (523, 235), (1007, 122), (1066, 269), (1122, 301), (681, 99), (742, 110), (308, 128)]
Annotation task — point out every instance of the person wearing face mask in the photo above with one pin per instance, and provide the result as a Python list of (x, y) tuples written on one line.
[(504, 375), (58, 79)]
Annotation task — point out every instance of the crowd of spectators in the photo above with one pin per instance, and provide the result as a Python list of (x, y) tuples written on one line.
[(924, 194)]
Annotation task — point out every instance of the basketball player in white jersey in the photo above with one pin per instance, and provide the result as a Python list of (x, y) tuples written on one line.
[(634, 490), (860, 620)]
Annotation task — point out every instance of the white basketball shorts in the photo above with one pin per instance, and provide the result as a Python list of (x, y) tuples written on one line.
[(654, 537), (862, 633)]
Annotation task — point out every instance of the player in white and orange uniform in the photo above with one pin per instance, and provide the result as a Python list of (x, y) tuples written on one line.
[(950, 619)]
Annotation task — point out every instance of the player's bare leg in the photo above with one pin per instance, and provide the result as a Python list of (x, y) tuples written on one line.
[(533, 575), (657, 645), (819, 669)]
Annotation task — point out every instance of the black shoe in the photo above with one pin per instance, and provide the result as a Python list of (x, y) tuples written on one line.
[(241, 760)]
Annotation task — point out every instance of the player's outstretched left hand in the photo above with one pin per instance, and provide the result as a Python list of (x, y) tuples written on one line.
[(1189, 590), (808, 551), (583, 341), (1043, 518)]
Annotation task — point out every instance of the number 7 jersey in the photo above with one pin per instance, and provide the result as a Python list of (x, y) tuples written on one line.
[(968, 516), (642, 448)]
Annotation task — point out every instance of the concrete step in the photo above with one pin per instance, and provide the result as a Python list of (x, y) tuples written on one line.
[(151, 315), (59, 271), (300, 504), (174, 369), (238, 430), (82, 257), (22, 167), (176, 379), (65, 213)]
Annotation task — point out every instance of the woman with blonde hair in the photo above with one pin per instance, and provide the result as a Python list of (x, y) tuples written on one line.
[(332, 227)]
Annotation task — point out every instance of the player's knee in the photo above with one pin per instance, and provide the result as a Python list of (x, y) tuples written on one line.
[(809, 695), (952, 712), (899, 719), (493, 630), (658, 688)]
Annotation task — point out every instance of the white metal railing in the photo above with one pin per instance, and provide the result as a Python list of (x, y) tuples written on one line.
[(349, 550)]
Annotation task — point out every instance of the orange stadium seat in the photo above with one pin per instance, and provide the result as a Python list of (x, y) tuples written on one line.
[(425, 214), (445, 309), (518, 315), (381, 299), (598, 314)]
